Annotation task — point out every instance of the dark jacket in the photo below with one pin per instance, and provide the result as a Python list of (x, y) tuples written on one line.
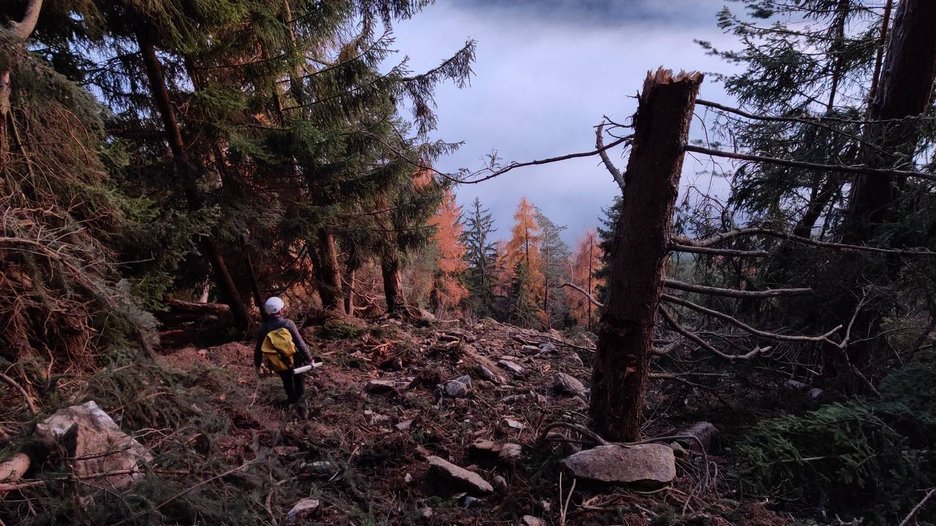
[(278, 322)]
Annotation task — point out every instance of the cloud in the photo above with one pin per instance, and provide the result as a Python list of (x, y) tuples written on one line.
[(544, 78)]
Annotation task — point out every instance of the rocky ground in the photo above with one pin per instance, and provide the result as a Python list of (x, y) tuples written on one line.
[(441, 424)]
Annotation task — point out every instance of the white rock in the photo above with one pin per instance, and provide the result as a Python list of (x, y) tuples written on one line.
[(302, 510), (98, 443), (464, 479), (648, 465)]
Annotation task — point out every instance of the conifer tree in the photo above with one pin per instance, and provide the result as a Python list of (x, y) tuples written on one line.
[(522, 267), (585, 266), (555, 256), (447, 288), (480, 257)]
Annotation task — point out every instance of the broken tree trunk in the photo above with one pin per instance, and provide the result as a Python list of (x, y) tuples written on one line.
[(19, 31), (392, 282), (638, 254)]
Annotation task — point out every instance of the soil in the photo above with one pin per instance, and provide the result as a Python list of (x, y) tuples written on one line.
[(363, 454)]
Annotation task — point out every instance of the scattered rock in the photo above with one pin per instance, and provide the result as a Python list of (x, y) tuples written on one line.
[(403, 425), (96, 439), (458, 388), (513, 424), (407, 478), (510, 366), (424, 513), (487, 374), (459, 477), (529, 348), (323, 468), (568, 384), (795, 385), (468, 501), (815, 394), (679, 450), (529, 520), (385, 386), (376, 418), (500, 483), (380, 386), (301, 510), (13, 469), (705, 433), (547, 348), (646, 465), (510, 452), (512, 399)]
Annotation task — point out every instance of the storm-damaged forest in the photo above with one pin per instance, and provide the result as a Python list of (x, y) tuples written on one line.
[(246, 279)]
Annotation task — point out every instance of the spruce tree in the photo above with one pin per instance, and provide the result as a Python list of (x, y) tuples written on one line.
[(481, 258), (555, 254)]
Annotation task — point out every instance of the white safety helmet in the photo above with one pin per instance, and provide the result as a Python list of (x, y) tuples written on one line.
[(273, 305)]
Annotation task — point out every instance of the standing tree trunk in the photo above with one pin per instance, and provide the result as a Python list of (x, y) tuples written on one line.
[(638, 253), (327, 272), (392, 281), (904, 90), (187, 175), (349, 292), (20, 31)]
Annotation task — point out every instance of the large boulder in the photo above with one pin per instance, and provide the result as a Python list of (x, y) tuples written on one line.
[(97, 445), (461, 478), (644, 465)]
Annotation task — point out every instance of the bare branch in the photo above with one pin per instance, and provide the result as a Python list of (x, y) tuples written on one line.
[(671, 321), (684, 242), (843, 168), (719, 251), (733, 293), (29, 401), (584, 293), (599, 145), (741, 325), (25, 27)]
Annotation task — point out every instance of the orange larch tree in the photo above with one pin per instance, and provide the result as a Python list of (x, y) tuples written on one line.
[(523, 267), (447, 288), (585, 264)]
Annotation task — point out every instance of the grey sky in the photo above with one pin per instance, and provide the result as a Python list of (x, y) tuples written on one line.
[(546, 72)]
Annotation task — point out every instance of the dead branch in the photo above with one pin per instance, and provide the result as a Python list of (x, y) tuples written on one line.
[(843, 168), (29, 401), (599, 146), (733, 293), (671, 321), (917, 508), (683, 241), (584, 292), (719, 251), (741, 325)]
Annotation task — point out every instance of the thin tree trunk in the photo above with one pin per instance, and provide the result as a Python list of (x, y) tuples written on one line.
[(327, 272), (638, 253), (392, 282), (187, 175), (349, 292), (590, 242)]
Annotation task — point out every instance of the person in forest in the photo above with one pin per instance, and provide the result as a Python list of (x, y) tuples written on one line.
[(282, 348)]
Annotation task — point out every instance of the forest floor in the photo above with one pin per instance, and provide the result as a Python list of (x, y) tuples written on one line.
[(362, 451)]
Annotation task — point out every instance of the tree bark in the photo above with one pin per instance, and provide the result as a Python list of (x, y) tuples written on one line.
[(904, 90), (210, 248), (349, 292), (392, 282), (327, 272), (638, 254), (20, 31)]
